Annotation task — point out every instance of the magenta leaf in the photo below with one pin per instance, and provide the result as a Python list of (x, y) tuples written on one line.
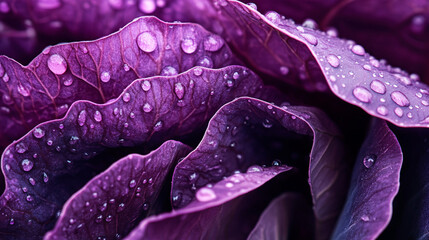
[(41, 168), (248, 133), (288, 216), (99, 70), (111, 203), (374, 184)]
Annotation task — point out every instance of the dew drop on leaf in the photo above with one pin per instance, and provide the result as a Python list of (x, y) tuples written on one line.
[(369, 160), (27, 165), (205, 194), (147, 42), (188, 45), (57, 64), (362, 94)]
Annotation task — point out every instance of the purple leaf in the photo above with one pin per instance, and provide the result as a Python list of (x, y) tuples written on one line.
[(411, 213), (351, 73), (287, 217), (99, 70), (374, 184), (248, 133), (227, 210), (153, 109), (399, 30), (111, 203)]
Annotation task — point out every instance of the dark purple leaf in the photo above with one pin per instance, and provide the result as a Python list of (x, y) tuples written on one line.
[(99, 70), (411, 213), (248, 133), (391, 33), (287, 217), (374, 184), (153, 109), (269, 42), (227, 210), (111, 203)]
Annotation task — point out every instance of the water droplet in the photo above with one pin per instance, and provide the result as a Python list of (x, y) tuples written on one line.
[(276, 163), (332, 32), (72, 221), (145, 206), (27, 165), (126, 97), (6, 78), (68, 81), (11, 221), (254, 168), (400, 99), (205, 62), (253, 6), (193, 177), (23, 91), (32, 181), (378, 87), (146, 85), (147, 107), (21, 148), (147, 42), (310, 23), (103, 207), (147, 6), (45, 177), (236, 178), (48, 4), (310, 38), (105, 77), (169, 71), (49, 142), (205, 194), (132, 183), (97, 116), (81, 119), (121, 207), (364, 218), (273, 17), (157, 126), (362, 94), (198, 71), (358, 50), (57, 64), (382, 110), (179, 90), (267, 123), (333, 60), (109, 218), (99, 218), (29, 198), (73, 140), (188, 45), (126, 67), (369, 160), (213, 43)]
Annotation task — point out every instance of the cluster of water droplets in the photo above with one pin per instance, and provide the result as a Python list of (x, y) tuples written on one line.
[(365, 94)]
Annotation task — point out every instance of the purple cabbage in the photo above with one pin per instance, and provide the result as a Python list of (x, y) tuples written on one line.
[(214, 119)]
